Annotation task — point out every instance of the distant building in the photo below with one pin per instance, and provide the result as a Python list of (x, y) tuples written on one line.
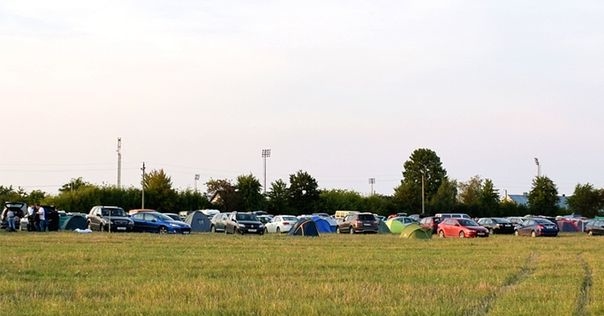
[(522, 200)]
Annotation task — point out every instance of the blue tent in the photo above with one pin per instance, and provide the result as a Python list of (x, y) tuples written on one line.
[(322, 224), (304, 227)]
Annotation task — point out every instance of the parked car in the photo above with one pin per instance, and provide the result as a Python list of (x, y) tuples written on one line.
[(109, 218), (452, 215), (264, 218), (359, 223), (516, 221), (595, 227), (218, 222), (174, 216), (430, 222), (243, 223), (280, 224), (497, 225), (461, 227), (19, 210), (155, 222), (537, 227)]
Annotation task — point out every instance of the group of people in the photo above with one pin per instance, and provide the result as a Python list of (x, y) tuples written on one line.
[(37, 218)]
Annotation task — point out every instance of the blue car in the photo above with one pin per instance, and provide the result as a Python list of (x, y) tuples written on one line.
[(156, 222)]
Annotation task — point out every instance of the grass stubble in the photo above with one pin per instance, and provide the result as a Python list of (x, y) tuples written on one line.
[(212, 274)]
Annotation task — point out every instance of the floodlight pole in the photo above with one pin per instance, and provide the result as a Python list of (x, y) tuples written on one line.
[(143, 188), (196, 179), (266, 153), (371, 183), (538, 167)]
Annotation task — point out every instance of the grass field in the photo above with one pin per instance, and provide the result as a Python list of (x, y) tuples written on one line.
[(145, 274)]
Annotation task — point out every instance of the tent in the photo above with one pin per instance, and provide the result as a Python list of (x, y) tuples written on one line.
[(416, 231), (73, 222), (383, 228), (304, 227), (395, 226), (323, 225), (199, 222), (567, 226)]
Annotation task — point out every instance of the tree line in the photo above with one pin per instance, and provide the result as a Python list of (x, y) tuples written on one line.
[(425, 189)]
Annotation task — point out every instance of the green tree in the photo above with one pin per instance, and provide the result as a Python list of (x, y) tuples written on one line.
[(304, 193), (586, 200), (278, 198), (338, 199), (74, 185), (543, 197), (159, 193), (479, 197), (224, 194), (470, 193), (445, 199), (423, 166), (249, 191), (489, 198)]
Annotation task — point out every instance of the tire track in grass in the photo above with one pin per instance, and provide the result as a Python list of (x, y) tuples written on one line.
[(512, 281), (584, 291)]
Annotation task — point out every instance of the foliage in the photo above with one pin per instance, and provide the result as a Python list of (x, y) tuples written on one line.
[(479, 197), (74, 185), (304, 193), (224, 194), (423, 166), (543, 197), (586, 200), (337, 199), (278, 198), (159, 194), (445, 199), (249, 191)]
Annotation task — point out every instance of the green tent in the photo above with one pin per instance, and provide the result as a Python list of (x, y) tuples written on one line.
[(416, 231), (383, 228), (395, 226)]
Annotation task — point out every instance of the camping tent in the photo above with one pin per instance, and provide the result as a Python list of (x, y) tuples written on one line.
[(304, 227), (323, 225), (383, 228), (395, 226), (199, 222), (416, 231), (74, 221), (567, 226)]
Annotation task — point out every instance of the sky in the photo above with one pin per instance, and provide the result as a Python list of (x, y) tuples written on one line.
[(344, 90)]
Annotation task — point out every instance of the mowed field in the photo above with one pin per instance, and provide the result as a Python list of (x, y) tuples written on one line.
[(146, 274)]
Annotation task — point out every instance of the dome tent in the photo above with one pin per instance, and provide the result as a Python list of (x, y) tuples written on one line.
[(415, 231), (199, 222), (304, 227)]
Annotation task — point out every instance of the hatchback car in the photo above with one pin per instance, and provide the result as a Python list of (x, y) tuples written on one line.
[(155, 222), (280, 224), (462, 228), (537, 227), (218, 222), (595, 227), (359, 223), (430, 222), (243, 223), (497, 225), (109, 218)]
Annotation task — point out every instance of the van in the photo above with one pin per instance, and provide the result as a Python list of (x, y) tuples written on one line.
[(452, 215), (339, 215)]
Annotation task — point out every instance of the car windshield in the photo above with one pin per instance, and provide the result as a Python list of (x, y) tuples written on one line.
[(501, 220), (467, 222), (164, 217), (542, 221), (113, 212), (366, 217), (290, 218), (246, 217)]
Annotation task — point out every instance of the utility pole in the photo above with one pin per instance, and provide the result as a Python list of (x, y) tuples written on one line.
[(143, 187), (266, 153), (371, 183), (119, 162)]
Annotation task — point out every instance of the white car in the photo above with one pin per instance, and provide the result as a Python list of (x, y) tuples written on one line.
[(280, 224)]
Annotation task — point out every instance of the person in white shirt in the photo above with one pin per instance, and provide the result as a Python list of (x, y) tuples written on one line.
[(31, 218), (42, 214)]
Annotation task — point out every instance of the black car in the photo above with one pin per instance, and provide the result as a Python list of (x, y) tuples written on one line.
[(595, 227), (109, 218), (243, 223), (497, 225), (537, 227)]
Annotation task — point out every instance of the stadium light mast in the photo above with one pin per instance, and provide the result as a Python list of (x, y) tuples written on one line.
[(196, 179), (266, 153), (371, 183), (538, 167)]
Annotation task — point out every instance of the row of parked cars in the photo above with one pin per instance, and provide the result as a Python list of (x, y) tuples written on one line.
[(116, 219)]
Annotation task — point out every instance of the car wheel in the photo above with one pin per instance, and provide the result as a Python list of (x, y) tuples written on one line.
[(441, 234), (462, 234), (278, 230), (89, 226), (516, 233), (162, 230), (101, 228), (338, 230), (265, 230), (590, 233), (533, 234), (491, 231), (213, 228)]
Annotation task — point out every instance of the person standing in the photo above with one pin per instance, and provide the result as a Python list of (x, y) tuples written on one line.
[(31, 218), (10, 218), (42, 215)]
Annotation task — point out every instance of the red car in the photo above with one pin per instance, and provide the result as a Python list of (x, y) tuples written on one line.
[(462, 228)]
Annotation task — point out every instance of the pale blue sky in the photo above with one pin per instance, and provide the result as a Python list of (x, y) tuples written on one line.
[(345, 90)]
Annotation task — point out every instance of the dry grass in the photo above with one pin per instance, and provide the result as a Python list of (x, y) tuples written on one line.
[(147, 274)]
